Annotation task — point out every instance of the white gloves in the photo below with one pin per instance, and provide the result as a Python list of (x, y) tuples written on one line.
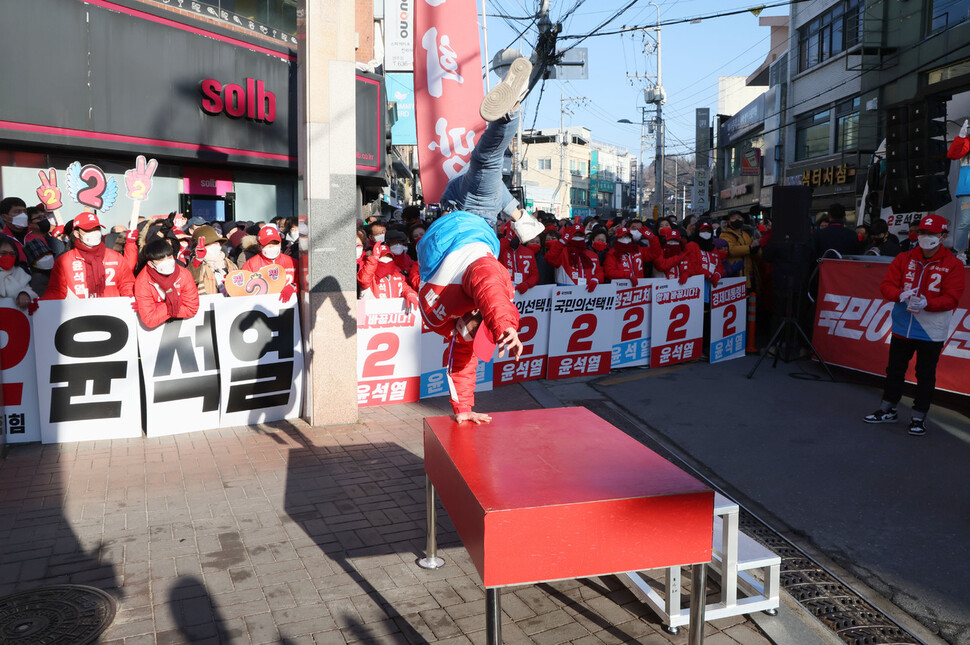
[(906, 295), (963, 130), (916, 305)]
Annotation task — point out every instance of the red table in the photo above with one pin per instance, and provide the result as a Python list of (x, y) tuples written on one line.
[(543, 495)]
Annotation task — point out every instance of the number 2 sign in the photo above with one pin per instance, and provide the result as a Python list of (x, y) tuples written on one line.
[(677, 324), (388, 360), (581, 331), (728, 311), (89, 186), (631, 343)]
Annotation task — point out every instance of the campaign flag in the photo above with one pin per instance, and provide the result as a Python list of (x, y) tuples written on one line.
[(181, 372), (388, 358), (581, 331), (677, 321), (20, 419), (728, 315), (631, 343), (447, 90), (260, 354), (535, 310), (87, 370)]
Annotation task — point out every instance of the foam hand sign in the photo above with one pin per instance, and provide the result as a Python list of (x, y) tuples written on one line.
[(48, 192), (138, 180), (90, 187)]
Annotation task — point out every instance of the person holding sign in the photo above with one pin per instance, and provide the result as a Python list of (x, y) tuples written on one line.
[(89, 270), (270, 252), (926, 284), (210, 266), (575, 263), (678, 261), (519, 259), (628, 259), (164, 289)]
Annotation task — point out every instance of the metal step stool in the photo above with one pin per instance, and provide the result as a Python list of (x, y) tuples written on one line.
[(735, 557)]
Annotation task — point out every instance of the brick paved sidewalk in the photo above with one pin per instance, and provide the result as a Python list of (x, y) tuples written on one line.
[(283, 534)]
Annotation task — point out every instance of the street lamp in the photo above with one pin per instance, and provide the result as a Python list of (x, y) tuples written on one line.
[(639, 166)]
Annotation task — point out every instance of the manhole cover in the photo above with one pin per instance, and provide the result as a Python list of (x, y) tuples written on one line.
[(56, 615)]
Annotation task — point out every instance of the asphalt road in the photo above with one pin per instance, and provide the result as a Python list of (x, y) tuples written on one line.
[(890, 509)]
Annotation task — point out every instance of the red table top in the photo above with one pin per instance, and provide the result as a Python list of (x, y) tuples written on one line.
[(555, 456), (560, 493)]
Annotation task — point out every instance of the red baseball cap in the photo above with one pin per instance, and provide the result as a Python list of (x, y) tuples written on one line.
[(575, 233), (87, 222), (933, 223), (673, 236), (269, 234), (622, 232)]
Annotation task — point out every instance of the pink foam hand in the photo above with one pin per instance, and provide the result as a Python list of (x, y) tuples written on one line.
[(138, 180), (48, 192)]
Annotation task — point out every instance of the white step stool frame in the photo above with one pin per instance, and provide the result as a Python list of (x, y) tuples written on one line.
[(727, 543)]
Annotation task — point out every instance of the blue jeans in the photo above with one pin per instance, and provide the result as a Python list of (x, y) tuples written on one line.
[(480, 189), (961, 227)]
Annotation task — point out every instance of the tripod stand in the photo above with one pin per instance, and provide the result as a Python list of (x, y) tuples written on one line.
[(790, 324)]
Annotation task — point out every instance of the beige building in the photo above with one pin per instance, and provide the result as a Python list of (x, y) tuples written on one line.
[(556, 177)]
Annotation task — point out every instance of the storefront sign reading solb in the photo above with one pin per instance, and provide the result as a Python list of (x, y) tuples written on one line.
[(253, 102)]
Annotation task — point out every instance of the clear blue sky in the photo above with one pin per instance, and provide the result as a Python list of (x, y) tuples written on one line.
[(693, 57)]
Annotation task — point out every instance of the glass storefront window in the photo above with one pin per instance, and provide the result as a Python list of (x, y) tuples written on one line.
[(278, 14)]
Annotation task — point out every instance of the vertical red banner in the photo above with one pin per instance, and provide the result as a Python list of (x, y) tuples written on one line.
[(447, 90)]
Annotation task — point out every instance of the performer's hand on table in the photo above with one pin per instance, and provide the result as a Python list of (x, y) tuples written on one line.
[(509, 340), (473, 417)]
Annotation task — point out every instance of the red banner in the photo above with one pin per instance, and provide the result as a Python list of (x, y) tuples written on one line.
[(447, 90), (853, 323)]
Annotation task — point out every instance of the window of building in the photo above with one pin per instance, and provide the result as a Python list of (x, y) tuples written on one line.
[(545, 163), (812, 135), (577, 168), (946, 13), (578, 196), (831, 33), (847, 126)]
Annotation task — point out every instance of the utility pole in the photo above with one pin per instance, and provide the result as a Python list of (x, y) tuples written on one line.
[(654, 96), (658, 98), (562, 139)]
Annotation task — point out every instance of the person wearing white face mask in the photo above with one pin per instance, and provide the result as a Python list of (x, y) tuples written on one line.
[(926, 283), (89, 270), (164, 289), (16, 225), (397, 242), (209, 265), (14, 281), (271, 252), (41, 262)]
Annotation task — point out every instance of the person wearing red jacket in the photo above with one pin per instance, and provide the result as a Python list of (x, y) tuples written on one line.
[(380, 277), (397, 241), (926, 284), (679, 261), (89, 270), (164, 289), (960, 149), (711, 259), (575, 264), (519, 259), (270, 252), (628, 260)]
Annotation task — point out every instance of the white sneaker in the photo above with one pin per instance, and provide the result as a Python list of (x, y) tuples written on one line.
[(503, 98)]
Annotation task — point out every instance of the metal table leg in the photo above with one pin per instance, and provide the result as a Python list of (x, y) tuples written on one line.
[(698, 604), (431, 559), (493, 616)]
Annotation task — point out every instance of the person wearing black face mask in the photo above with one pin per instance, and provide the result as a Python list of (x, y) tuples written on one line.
[(741, 247), (40, 224)]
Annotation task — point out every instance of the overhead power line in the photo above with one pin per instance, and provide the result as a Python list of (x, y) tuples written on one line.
[(680, 21)]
